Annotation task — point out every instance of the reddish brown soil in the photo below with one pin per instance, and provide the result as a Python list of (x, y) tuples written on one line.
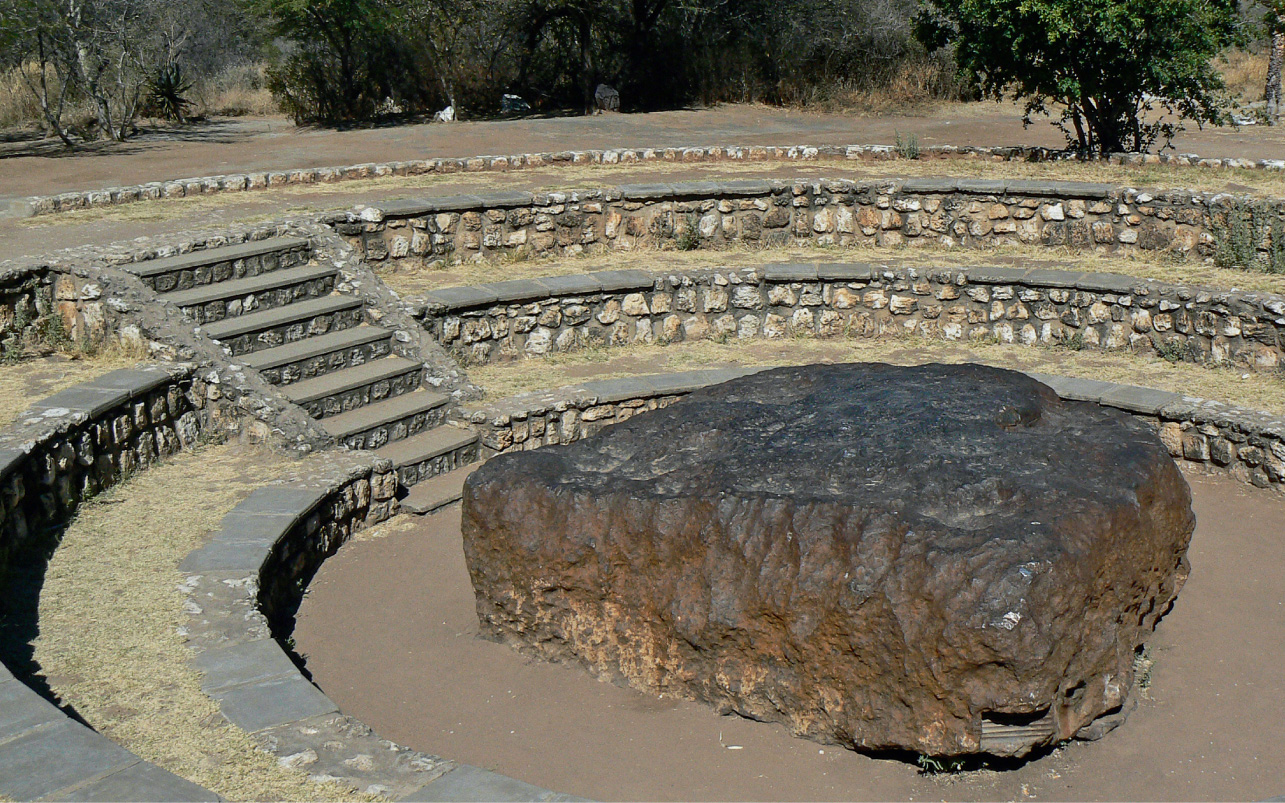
[(389, 632), (238, 145)]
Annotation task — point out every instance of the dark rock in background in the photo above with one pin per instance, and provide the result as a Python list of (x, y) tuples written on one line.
[(943, 559)]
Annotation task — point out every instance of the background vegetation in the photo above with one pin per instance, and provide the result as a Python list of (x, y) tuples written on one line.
[(86, 69)]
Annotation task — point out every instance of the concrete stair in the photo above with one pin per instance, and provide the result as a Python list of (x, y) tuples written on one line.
[(219, 300), (279, 315), (393, 419), (436, 493), (245, 334), (305, 359), (432, 453), (212, 265), (351, 388)]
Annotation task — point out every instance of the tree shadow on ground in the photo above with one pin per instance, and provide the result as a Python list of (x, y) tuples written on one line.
[(20, 620)]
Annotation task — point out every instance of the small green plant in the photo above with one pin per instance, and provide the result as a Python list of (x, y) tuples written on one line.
[(1144, 662), (939, 766), (1075, 342), (167, 93), (688, 238), (1172, 350), (1249, 235), (907, 148)]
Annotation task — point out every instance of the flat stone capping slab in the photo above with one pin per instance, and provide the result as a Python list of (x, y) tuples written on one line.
[(209, 256), (265, 179), (45, 754), (258, 562)]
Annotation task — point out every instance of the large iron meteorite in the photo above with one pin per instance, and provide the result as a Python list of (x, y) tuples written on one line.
[(944, 559)]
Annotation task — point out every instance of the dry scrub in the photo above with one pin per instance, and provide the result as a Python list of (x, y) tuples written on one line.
[(1255, 390), (109, 613)]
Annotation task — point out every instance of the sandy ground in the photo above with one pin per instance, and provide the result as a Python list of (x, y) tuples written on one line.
[(228, 145), (389, 632)]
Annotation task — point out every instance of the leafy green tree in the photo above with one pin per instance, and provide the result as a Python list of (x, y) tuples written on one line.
[(1124, 73)]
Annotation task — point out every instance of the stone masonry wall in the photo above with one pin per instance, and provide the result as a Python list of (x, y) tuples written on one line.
[(1220, 438), (520, 318), (260, 180), (83, 440), (907, 212)]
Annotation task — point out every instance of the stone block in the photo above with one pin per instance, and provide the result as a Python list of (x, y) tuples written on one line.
[(645, 192), (251, 662), (608, 391), (276, 701), (1077, 389), (462, 297), (279, 500), (142, 783), (1139, 400), (49, 760), (1109, 283), (981, 186), (578, 284), (844, 272), (989, 275), (517, 290), (614, 281), (454, 203), (746, 187), (790, 272), (928, 186), (228, 556), (21, 709), (1053, 278), (90, 401), (406, 207), (505, 199)]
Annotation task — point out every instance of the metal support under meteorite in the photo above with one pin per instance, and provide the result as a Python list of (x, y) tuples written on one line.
[(943, 559)]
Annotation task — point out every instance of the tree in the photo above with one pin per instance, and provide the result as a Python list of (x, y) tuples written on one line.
[(1124, 73), (1275, 20)]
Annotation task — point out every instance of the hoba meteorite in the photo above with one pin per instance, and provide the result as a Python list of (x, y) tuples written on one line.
[(944, 559)]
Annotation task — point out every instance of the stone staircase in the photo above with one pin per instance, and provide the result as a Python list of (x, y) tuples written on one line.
[(278, 313)]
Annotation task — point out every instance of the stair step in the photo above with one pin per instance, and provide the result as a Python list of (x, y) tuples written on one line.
[(342, 391), (431, 453), (221, 264), (323, 354), (214, 302), (293, 322), (438, 492), (395, 419)]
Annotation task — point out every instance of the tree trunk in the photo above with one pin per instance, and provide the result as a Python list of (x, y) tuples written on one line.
[(1272, 93)]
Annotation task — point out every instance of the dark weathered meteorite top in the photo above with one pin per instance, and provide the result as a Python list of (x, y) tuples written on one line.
[(947, 559)]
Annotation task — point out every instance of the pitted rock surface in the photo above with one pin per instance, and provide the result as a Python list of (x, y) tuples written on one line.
[(943, 559)]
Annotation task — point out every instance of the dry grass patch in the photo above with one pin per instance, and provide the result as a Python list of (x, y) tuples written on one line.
[(110, 610), (25, 383), (1254, 390), (1164, 266)]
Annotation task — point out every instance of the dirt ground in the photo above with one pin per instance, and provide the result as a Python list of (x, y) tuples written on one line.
[(231, 145), (389, 632)]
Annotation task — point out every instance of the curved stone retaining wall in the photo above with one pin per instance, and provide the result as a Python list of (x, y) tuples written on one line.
[(243, 589), (242, 182), (1246, 444), (1034, 307), (63, 450), (913, 212)]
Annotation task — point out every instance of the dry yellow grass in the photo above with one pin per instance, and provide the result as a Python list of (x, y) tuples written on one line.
[(1245, 74), (109, 613), (1255, 390), (1164, 266), (24, 383)]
